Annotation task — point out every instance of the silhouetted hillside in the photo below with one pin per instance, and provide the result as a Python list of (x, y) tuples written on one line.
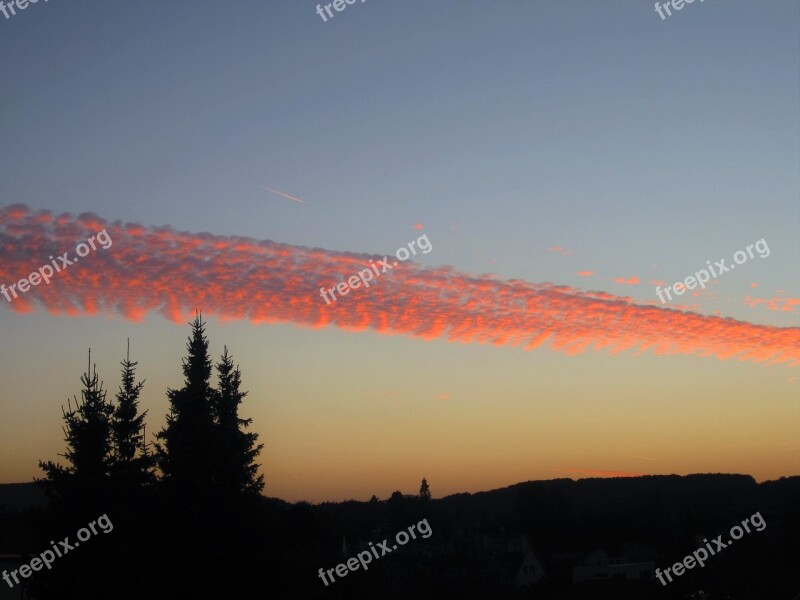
[(477, 537), (524, 541)]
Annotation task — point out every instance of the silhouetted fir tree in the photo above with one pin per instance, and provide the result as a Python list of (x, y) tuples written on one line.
[(185, 454), (87, 430), (132, 466), (236, 449), (80, 492), (424, 491)]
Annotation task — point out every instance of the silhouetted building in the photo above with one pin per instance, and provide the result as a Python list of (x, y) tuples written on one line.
[(628, 561), (517, 559)]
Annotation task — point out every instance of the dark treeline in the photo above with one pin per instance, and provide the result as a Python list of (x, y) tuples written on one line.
[(190, 519), (279, 547), (184, 508)]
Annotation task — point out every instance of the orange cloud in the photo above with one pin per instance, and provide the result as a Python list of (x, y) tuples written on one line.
[(632, 281), (158, 269), (657, 282), (597, 473), (781, 304), (559, 250), (418, 226), (585, 273)]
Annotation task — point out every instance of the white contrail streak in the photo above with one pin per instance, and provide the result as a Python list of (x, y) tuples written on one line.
[(284, 195)]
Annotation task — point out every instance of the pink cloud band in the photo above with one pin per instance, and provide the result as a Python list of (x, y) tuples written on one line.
[(158, 269)]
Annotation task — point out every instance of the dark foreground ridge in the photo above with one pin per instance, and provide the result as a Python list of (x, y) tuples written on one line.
[(554, 539)]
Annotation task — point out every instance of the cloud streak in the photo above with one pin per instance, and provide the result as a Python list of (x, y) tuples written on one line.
[(781, 304), (284, 195), (632, 281), (597, 472), (159, 269)]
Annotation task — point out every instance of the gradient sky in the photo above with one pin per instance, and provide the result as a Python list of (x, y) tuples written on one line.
[(533, 141)]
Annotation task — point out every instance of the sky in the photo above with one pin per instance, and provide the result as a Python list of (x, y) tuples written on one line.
[(562, 160)]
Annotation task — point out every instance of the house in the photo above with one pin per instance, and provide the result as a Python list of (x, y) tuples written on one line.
[(516, 557), (530, 571), (625, 561)]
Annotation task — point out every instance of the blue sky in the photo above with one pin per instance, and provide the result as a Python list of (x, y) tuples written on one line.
[(643, 147)]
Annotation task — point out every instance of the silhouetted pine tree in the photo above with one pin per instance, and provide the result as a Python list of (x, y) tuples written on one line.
[(132, 465), (88, 435), (236, 449), (424, 490), (185, 455)]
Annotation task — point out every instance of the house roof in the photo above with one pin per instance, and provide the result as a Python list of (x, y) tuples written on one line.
[(627, 552)]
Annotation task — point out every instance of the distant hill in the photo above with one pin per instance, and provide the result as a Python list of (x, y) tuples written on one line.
[(663, 511), (473, 550), (588, 494), (18, 496), (632, 506)]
